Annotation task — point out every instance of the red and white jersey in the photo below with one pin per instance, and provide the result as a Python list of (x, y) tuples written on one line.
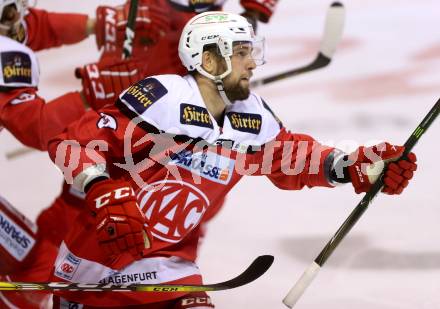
[(180, 161), (44, 29)]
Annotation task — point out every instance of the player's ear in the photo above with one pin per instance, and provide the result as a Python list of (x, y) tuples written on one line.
[(209, 61)]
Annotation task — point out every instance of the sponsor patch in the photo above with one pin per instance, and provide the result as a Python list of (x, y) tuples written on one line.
[(107, 121), (143, 94), (14, 239), (195, 115), (207, 165), (68, 266), (16, 67), (244, 122), (118, 278)]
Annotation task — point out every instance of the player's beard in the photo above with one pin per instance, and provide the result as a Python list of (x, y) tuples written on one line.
[(235, 91), (17, 33)]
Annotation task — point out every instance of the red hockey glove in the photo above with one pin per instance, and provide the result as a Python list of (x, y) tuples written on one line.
[(151, 24), (102, 83), (265, 8), (120, 224), (363, 173)]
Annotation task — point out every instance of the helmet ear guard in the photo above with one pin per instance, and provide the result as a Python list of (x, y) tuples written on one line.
[(225, 49)]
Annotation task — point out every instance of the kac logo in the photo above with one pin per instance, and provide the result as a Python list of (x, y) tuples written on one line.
[(173, 208)]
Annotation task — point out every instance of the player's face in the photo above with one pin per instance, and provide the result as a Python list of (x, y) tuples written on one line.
[(236, 84), (8, 21)]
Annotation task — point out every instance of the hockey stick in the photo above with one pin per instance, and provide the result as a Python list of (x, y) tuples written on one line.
[(13, 154), (334, 25), (258, 267), (310, 273), (129, 30)]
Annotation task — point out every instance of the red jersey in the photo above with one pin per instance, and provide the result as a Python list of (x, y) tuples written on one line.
[(180, 161), (32, 121), (44, 29)]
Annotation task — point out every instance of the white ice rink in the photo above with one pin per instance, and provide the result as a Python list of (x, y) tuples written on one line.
[(382, 81)]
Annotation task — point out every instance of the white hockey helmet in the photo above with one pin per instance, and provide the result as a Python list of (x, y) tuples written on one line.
[(221, 29), (20, 5)]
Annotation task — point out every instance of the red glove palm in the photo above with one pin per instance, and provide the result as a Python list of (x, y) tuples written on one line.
[(363, 173), (102, 83), (151, 24), (120, 224)]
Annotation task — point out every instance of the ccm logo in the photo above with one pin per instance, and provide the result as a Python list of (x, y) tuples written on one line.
[(115, 194)]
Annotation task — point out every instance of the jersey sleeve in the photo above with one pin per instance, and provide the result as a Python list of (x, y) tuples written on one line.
[(32, 121), (291, 161), (49, 29), (300, 161), (83, 149)]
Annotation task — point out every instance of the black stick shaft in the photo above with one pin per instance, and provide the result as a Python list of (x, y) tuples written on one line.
[(129, 30), (366, 200), (319, 62)]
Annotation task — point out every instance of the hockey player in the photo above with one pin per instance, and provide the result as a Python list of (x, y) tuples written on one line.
[(26, 254), (33, 122), (21, 23), (178, 12), (152, 165)]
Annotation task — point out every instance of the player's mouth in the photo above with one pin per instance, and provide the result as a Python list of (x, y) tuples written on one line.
[(246, 78)]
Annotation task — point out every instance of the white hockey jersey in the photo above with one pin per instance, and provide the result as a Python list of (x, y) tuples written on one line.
[(161, 137)]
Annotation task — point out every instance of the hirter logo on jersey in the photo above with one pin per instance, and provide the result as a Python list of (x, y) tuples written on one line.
[(208, 165), (172, 208), (244, 122), (195, 115), (16, 67), (143, 94)]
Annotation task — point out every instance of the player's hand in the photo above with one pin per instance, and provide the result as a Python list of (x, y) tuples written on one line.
[(151, 24), (120, 224), (369, 163), (102, 83)]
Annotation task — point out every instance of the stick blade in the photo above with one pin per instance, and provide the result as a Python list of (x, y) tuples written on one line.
[(334, 26), (257, 268)]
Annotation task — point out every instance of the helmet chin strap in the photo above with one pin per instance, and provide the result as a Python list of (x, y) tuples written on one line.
[(218, 79)]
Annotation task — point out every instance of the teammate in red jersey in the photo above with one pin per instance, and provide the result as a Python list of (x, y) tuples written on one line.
[(26, 254), (33, 122), (153, 164)]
